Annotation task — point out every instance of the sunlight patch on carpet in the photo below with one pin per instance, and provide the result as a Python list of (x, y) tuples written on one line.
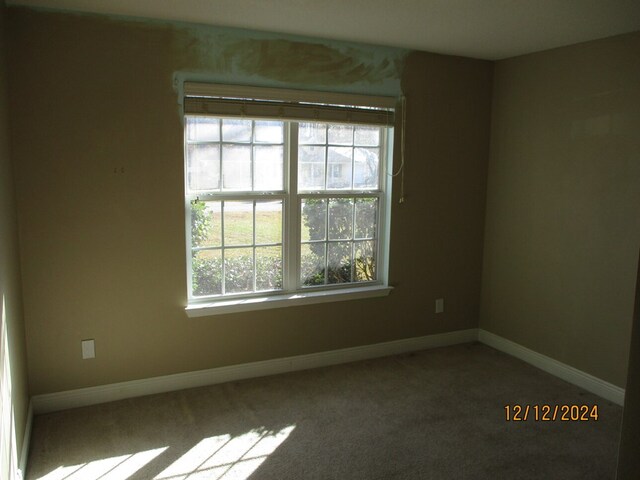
[(114, 468), (224, 457)]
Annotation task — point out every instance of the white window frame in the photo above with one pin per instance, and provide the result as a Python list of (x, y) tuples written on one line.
[(293, 293)]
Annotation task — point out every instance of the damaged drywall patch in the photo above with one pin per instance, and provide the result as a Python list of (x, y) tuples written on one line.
[(307, 63), (257, 58)]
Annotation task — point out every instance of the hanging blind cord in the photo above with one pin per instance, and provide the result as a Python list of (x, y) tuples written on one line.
[(401, 168)]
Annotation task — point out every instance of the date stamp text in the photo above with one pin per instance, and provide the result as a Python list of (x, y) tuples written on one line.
[(551, 413)]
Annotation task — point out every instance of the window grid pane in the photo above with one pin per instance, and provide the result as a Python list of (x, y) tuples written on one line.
[(229, 155), (236, 246), (351, 156), (338, 240)]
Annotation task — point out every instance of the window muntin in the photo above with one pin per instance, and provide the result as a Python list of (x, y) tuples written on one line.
[(235, 167)]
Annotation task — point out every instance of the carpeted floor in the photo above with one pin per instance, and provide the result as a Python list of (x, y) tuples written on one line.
[(435, 414)]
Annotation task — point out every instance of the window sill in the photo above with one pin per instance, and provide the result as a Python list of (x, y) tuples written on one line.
[(284, 300)]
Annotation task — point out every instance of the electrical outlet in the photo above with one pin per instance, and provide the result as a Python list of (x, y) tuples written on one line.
[(439, 305), (88, 349)]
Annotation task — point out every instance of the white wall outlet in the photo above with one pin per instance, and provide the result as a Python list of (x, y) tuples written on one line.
[(88, 349), (439, 305)]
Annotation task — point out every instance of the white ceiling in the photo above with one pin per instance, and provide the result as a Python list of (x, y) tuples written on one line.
[(489, 29)]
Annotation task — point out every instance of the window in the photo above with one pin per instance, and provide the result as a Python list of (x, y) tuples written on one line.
[(280, 208)]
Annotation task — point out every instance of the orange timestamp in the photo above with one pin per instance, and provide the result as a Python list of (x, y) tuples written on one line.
[(551, 413)]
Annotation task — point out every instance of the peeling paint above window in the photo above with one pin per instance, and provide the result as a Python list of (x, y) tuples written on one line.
[(256, 58)]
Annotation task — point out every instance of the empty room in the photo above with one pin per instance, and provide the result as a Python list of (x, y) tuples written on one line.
[(319, 240)]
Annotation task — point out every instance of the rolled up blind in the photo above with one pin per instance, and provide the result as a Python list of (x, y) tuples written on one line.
[(301, 105)]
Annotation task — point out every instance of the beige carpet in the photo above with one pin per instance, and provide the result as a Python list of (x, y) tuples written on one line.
[(436, 414)]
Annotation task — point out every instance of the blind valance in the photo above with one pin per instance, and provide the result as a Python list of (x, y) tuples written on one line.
[(301, 105)]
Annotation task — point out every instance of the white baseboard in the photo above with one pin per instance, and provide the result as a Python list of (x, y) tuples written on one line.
[(570, 374), (119, 391), (26, 441), (136, 388)]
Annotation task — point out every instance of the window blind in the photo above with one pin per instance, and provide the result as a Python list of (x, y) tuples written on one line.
[(301, 105)]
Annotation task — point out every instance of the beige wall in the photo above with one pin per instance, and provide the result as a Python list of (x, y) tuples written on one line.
[(103, 253), (563, 204), (10, 288)]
